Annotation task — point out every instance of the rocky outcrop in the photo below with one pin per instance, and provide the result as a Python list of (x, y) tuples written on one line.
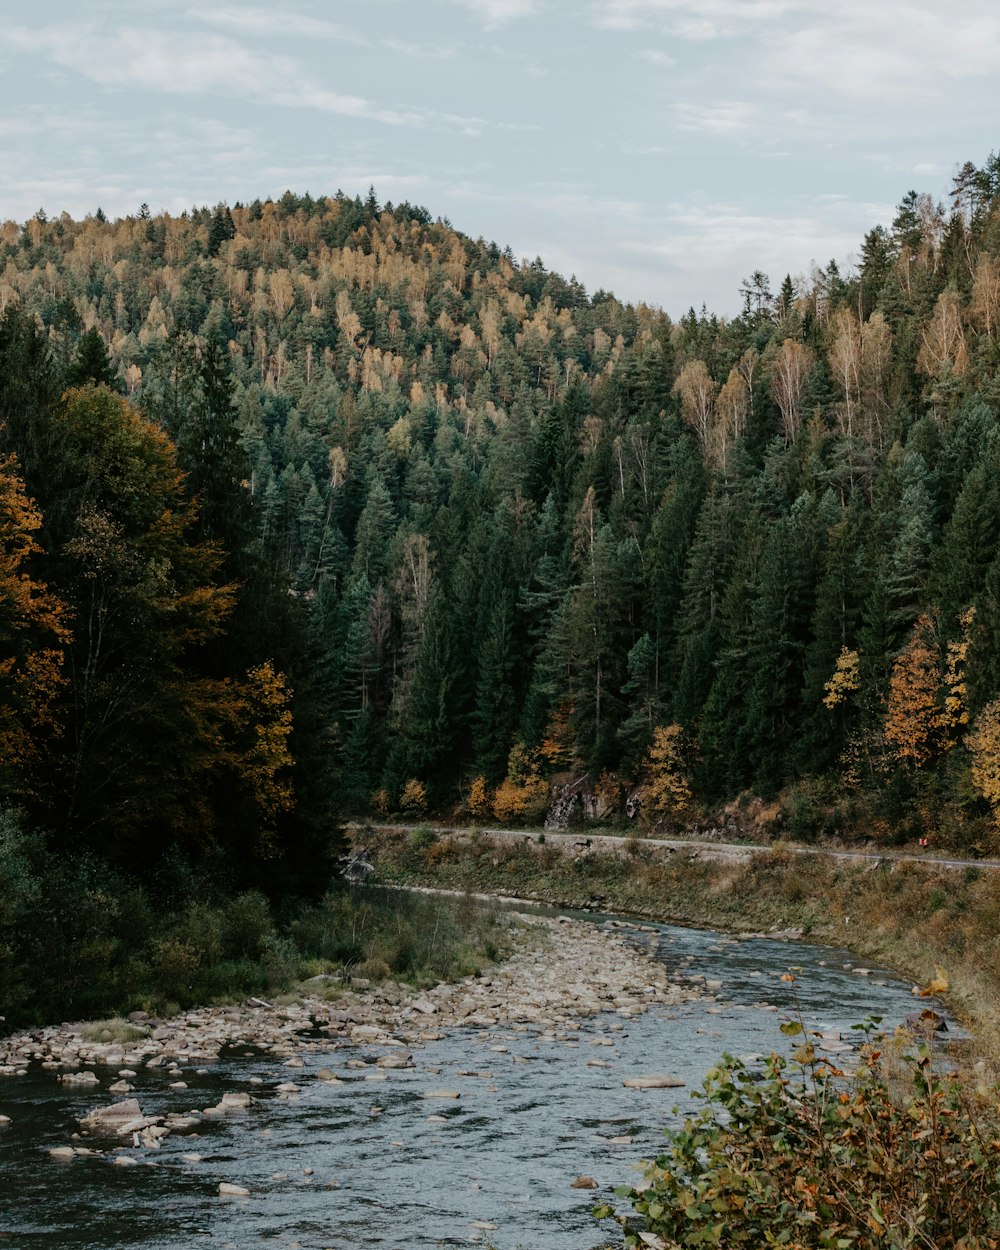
[(568, 803)]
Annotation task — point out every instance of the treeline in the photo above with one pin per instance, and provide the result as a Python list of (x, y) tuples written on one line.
[(144, 721), (471, 527)]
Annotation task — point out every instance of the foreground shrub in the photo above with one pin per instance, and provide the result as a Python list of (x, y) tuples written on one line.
[(800, 1155)]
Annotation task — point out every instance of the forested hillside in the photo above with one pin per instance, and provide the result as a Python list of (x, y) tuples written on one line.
[(316, 506)]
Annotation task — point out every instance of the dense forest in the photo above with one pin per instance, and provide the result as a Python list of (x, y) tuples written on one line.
[(317, 507)]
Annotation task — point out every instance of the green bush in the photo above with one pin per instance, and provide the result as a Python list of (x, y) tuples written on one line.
[(800, 1155), (421, 838), (247, 926)]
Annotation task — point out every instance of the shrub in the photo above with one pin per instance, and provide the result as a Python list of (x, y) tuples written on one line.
[(421, 838), (667, 794), (523, 795), (479, 799), (200, 928), (247, 926), (413, 800), (523, 802), (175, 964), (800, 1155)]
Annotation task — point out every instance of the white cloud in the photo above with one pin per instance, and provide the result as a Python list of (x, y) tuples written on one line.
[(655, 57), (895, 49), (176, 64), (693, 19), (901, 50), (499, 12), (280, 23), (417, 50), (726, 238), (728, 117)]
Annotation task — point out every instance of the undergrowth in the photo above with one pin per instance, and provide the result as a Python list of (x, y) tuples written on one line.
[(901, 1154), (80, 941)]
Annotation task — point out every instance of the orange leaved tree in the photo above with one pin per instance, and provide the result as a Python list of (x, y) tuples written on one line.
[(33, 636)]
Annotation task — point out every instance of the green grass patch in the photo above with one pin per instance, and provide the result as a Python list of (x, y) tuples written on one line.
[(116, 1030)]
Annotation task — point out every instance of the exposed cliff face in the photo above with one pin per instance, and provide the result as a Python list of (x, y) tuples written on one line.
[(577, 801)]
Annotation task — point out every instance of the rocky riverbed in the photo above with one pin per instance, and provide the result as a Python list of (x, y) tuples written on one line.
[(489, 1112), (570, 970)]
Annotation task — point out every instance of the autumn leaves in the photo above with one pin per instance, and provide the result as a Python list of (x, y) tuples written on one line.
[(115, 724)]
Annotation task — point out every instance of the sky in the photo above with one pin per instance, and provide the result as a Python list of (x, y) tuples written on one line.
[(660, 149)]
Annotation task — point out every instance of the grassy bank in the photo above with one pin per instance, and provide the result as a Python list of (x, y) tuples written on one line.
[(134, 955), (913, 917)]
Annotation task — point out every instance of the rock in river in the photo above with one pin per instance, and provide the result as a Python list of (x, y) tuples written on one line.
[(653, 1082), (121, 1119)]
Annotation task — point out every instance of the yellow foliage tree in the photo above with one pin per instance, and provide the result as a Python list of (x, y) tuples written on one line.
[(413, 800), (667, 793), (984, 747), (955, 712), (845, 680), (697, 390), (556, 748), (33, 632), (479, 799), (523, 794), (266, 765), (943, 348), (914, 717)]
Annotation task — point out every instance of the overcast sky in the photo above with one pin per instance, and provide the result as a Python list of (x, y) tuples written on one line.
[(661, 149)]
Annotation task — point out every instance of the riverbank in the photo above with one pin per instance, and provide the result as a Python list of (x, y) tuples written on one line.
[(921, 919), (561, 971)]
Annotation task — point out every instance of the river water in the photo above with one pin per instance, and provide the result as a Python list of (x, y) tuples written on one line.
[(363, 1164)]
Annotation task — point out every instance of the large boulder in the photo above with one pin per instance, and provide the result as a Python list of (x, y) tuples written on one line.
[(121, 1119)]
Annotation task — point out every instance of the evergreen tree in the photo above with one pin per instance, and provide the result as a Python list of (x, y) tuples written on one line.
[(92, 364)]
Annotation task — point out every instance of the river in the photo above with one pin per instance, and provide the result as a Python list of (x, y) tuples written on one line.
[(374, 1163)]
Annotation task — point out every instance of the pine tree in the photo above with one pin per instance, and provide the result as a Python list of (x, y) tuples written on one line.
[(92, 364)]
